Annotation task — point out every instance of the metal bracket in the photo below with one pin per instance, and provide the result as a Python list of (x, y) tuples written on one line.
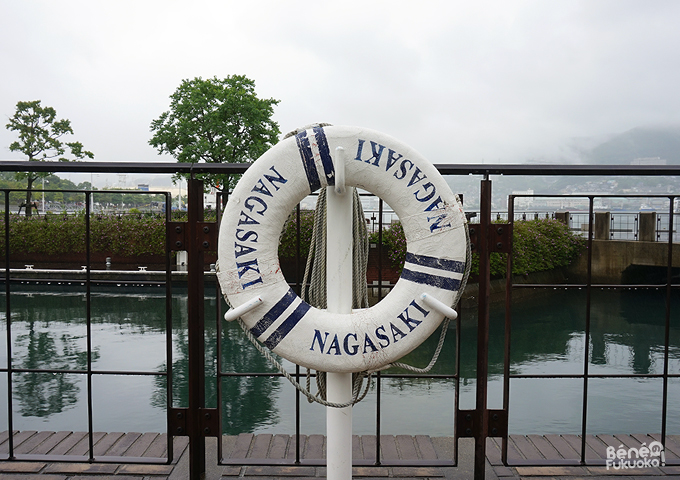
[(177, 236), (497, 421), (210, 425), (179, 422), (206, 236), (500, 238)]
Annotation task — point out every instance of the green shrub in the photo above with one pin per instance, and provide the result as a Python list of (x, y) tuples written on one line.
[(287, 245), (538, 245), (55, 234)]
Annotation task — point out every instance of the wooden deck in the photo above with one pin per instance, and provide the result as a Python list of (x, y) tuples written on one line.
[(74, 446), (566, 449), (266, 455)]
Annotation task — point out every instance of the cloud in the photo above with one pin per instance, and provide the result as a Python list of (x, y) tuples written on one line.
[(460, 81)]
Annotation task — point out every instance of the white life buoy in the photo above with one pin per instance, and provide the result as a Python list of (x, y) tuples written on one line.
[(366, 339)]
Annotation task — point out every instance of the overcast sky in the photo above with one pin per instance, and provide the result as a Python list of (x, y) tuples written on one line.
[(460, 81)]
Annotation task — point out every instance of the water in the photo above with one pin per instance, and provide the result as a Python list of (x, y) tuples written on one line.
[(128, 333)]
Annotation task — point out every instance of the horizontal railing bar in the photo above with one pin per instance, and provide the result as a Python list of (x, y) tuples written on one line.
[(321, 462), (594, 375), (85, 459), (383, 375), (594, 285), (237, 168), (83, 372)]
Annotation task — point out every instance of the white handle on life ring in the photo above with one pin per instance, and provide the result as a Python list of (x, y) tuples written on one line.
[(234, 313), (435, 304), (366, 339)]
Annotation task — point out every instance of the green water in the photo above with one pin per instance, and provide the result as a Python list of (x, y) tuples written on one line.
[(48, 331)]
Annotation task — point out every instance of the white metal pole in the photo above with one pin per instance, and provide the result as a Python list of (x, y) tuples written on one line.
[(339, 294)]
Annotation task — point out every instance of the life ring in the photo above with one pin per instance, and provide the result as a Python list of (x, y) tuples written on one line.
[(366, 339)]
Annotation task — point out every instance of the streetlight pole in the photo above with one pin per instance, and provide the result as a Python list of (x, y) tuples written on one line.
[(43, 194)]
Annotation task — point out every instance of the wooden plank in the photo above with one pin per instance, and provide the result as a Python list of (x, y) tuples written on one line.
[(599, 449), (544, 447), (292, 446), (406, 447), (32, 442), (278, 446), (4, 436), (514, 452), (426, 447), (138, 448), (65, 446), (125, 442), (179, 444), (388, 447), (357, 450), (575, 442), (368, 445), (671, 448), (261, 445), (526, 448), (564, 449), (54, 440), (242, 446), (19, 438), (493, 451), (83, 446), (314, 448), (628, 441), (158, 447), (107, 441)]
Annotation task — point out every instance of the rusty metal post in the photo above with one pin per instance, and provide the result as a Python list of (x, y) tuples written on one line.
[(195, 333), (482, 425)]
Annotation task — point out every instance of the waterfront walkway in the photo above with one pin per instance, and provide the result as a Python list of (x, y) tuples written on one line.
[(268, 450)]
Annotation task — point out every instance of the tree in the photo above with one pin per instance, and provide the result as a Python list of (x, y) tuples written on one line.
[(39, 139), (216, 121)]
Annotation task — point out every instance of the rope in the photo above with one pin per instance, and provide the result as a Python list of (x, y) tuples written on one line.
[(314, 289), (314, 293), (447, 320), (357, 395)]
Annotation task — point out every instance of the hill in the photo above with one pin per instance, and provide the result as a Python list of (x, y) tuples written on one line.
[(652, 144)]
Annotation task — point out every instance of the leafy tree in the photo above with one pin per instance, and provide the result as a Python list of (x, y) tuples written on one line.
[(216, 121), (39, 139)]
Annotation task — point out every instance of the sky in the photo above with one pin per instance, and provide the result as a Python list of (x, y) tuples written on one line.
[(459, 81)]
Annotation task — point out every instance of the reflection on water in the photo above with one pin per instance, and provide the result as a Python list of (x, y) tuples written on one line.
[(129, 333)]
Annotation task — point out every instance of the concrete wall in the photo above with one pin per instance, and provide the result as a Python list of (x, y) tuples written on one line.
[(612, 257)]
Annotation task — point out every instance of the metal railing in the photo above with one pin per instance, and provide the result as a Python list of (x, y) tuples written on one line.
[(197, 237)]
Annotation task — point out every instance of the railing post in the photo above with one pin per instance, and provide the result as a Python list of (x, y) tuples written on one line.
[(482, 424), (563, 217), (647, 227), (603, 223), (196, 327)]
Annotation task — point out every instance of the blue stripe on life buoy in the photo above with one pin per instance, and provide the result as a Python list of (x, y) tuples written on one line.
[(324, 152), (307, 158), (287, 325), (438, 281), (434, 262), (274, 313)]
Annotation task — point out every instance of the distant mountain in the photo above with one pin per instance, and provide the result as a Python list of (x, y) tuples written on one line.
[(645, 143)]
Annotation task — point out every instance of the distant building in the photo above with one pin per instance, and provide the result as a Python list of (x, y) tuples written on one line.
[(649, 161), (143, 187), (522, 203)]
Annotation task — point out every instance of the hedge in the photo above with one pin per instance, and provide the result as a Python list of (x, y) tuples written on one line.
[(538, 245)]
